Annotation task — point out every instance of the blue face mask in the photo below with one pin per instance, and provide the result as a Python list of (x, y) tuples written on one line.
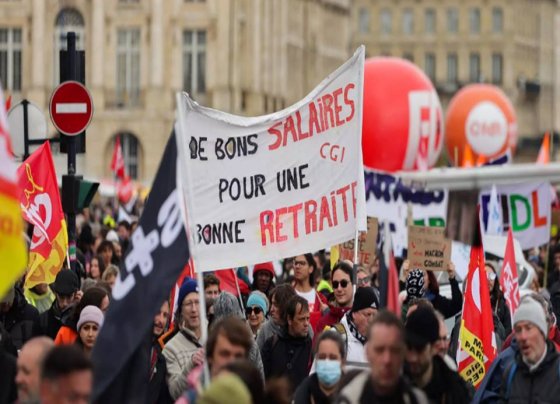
[(328, 371)]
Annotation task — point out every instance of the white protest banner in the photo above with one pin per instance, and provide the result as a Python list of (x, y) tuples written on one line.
[(264, 188), (387, 199), (526, 209)]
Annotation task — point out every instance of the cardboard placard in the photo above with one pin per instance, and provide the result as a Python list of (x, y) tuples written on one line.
[(366, 245), (428, 249)]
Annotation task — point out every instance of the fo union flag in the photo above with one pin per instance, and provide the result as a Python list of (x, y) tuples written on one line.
[(477, 346), (509, 280), (40, 203)]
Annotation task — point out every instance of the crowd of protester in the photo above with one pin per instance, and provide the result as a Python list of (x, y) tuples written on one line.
[(299, 332)]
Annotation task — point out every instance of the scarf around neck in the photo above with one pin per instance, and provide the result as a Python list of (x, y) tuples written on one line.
[(354, 329)]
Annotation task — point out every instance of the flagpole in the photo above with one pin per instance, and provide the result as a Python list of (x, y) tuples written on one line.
[(355, 266), (203, 327)]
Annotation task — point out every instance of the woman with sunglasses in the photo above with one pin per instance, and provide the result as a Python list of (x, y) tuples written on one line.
[(341, 281), (256, 308)]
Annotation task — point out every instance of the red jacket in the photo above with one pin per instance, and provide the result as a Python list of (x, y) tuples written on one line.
[(332, 316)]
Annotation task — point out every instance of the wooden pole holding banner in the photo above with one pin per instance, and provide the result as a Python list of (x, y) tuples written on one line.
[(355, 266)]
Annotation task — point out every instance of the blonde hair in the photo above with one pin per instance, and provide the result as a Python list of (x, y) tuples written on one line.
[(111, 270)]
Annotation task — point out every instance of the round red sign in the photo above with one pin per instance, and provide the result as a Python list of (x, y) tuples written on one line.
[(71, 108)]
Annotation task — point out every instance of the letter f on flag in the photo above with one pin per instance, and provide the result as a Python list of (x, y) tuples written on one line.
[(477, 346)]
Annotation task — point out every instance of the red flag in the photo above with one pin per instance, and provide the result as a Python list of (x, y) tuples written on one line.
[(508, 278), (477, 347), (544, 151), (393, 302), (229, 282), (40, 203), (125, 189), (117, 162)]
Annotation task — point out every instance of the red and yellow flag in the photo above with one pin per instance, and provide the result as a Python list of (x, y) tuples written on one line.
[(40, 204), (13, 254), (477, 346)]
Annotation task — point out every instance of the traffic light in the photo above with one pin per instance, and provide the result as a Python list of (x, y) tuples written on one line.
[(77, 193)]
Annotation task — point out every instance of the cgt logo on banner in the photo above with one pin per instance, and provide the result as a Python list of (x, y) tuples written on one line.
[(258, 189), (525, 209), (387, 199), (40, 204)]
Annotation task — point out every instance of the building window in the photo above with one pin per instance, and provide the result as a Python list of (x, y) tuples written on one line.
[(386, 21), (408, 56), (128, 66), (474, 20), (452, 20), (497, 20), (408, 22), (474, 67), (194, 62), (452, 68), (363, 20), (430, 21), (68, 20), (131, 153), (10, 58), (430, 66), (497, 68)]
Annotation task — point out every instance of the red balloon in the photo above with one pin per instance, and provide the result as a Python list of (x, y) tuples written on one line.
[(402, 116)]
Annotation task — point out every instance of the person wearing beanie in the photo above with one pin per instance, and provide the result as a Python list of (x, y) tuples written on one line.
[(91, 320), (534, 377), (256, 310), (425, 368), (353, 325), (263, 277), (184, 351)]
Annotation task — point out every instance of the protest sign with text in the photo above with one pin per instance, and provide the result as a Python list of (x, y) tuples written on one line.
[(428, 249), (525, 209), (264, 188), (367, 244), (388, 199)]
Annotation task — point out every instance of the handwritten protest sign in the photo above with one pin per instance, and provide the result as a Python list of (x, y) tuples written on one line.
[(367, 244), (264, 188), (428, 249)]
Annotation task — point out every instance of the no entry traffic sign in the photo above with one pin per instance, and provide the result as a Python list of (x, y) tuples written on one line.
[(71, 108)]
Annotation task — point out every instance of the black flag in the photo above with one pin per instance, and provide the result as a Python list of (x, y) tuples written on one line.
[(156, 256)]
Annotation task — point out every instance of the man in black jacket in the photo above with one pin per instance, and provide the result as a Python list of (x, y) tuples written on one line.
[(17, 316), (534, 376), (425, 367), (289, 353), (64, 287)]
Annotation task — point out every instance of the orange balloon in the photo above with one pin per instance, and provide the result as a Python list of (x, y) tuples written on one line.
[(482, 116)]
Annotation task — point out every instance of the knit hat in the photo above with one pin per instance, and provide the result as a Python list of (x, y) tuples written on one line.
[(265, 266), (415, 283), (227, 305), (422, 328), (530, 310), (364, 298), (258, 298), (66, 282), (189, 286), (227, 388), (90, 314)]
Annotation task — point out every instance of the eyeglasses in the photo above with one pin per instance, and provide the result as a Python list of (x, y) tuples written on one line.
[(300, 263), (343, 283), (491, 276), (364, 280), (250, 310), (190, 304)]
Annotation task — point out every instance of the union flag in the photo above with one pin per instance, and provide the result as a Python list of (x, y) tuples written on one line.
[(40, 203), (477, 345), (12, 245)]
